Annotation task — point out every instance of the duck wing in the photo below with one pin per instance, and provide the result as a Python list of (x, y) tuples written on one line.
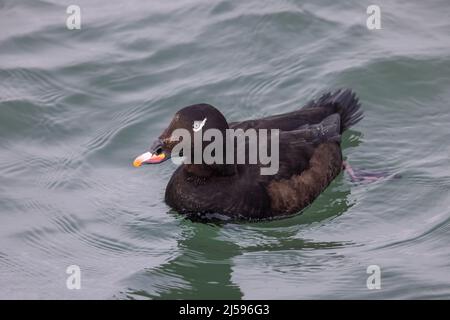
[(342, 102), (297, 147), (310, 158)]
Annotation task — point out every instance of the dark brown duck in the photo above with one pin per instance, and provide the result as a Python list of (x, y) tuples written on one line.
[(310, 158)]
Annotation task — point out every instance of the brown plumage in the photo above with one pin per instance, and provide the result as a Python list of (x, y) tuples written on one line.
[(310, 158), (298, 191)]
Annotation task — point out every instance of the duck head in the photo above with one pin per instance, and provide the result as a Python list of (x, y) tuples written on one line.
[(193, 119)]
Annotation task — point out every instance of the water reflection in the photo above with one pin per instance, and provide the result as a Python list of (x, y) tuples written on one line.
[(208, 252), (202, 270)]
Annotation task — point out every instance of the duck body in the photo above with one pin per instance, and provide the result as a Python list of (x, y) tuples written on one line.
[(253, 196), (310, 157)]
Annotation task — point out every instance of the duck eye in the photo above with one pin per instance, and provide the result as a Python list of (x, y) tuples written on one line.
[(158, 151)]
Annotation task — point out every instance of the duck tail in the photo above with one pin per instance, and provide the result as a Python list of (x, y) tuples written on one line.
[(345, 103)]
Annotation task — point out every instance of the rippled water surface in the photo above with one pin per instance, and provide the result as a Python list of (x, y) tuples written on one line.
[(76, 106)]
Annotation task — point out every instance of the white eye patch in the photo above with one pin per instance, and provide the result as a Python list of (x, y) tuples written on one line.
[(198, 125)]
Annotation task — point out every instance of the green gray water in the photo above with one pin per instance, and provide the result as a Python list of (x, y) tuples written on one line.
[(77, 106)]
